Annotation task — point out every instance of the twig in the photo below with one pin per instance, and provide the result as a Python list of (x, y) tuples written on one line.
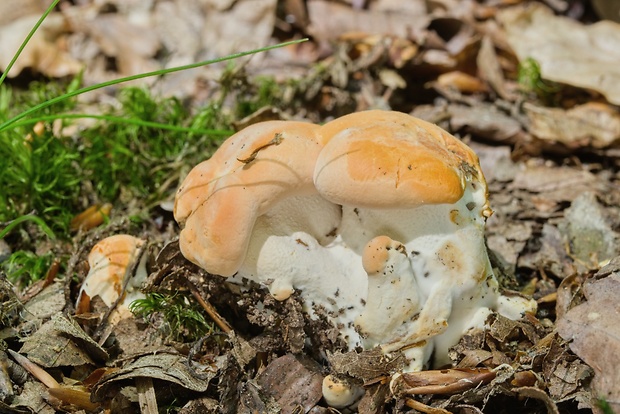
[(219, 321), (277, 140)]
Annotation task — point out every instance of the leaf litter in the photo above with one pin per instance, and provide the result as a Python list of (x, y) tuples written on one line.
[(548, 145)]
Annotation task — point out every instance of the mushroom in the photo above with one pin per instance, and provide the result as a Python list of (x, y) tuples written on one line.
[(110, 260), (339, 393), (376, 217)]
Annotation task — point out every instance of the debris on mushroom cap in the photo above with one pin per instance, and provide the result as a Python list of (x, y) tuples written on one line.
[(338, 393), (110, 260), (376, 217)]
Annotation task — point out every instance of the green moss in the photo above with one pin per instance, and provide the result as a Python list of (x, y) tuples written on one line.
[(183, 319), (531, 82)]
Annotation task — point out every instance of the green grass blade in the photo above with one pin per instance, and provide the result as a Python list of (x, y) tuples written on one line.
[(25, 42), (28, 217), (80, 91), (132, 121)]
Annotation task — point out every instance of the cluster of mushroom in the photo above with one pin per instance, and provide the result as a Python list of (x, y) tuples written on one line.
[(376, 217)]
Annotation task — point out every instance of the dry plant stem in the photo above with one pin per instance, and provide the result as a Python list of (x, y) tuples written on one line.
[(215, 317), (103, 330), (146, 395), (450, 381), (36, 371), (277, 140), (79, 398), (423, 408)]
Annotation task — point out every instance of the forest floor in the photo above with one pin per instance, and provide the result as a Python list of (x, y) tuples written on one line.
[(532, 86)]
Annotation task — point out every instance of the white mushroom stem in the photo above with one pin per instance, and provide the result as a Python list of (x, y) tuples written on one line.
[(393, 297), (339, 393)]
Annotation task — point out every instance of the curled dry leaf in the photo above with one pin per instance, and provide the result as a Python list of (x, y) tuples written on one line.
[(92, 217), (172, 368), (445, 381), (110, 262), (567, 51), (461, 81), (61, 342), (490, 68)]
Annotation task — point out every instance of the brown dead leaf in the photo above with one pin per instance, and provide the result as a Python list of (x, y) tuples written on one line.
[(366, 365), (342, 19), (569, 294), (592, 124), (45, 53), (589, 231), (293, 381), (60, 342), (550, 255), (373, 400), (559, 184), (445, 381), (461, 81), (111, 31), (537, 393), (484, 120), (490, 68), (593, 330), (168, 367), (236, 25), (567, 51), (33, 398)]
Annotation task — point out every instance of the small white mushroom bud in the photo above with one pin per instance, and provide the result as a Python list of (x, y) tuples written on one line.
[(339, 393)]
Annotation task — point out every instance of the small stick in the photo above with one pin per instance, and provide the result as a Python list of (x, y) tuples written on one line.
[(423, 408), (146, 395), (277, 140), (219, 321), (36, 371)]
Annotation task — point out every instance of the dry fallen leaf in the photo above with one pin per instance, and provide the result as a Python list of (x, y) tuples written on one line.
[(590, 231), (233, 26), (592, 124), (45, 52), (567, 51), (169, 367), (594, 331), (407, 23), (293, 381)]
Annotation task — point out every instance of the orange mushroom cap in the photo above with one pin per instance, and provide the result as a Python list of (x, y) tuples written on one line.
[(385, 159)]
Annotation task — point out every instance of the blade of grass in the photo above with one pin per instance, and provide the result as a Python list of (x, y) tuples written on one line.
[(80, 91), (27, 39), (118, 119), (28, 217)]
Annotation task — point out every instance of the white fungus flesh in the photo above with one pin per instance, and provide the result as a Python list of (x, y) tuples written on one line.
[(376, 217)]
